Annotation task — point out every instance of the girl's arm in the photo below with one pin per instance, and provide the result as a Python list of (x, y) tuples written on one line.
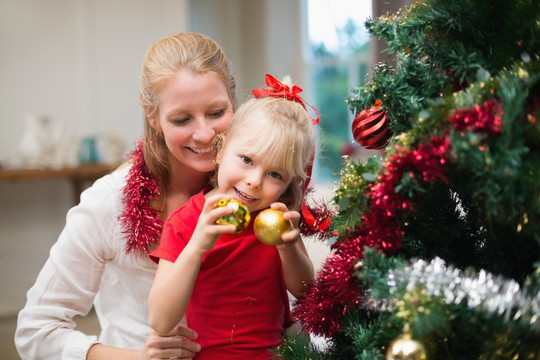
[(174, 282), (297, 266), (172, 289)]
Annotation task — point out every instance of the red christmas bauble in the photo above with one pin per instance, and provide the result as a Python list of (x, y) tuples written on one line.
[(370, 128)]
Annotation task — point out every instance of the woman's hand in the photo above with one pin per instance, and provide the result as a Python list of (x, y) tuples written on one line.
[(178, 344)]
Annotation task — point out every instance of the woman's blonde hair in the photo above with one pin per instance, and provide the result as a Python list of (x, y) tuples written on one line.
[(285, 137), (184, 51)]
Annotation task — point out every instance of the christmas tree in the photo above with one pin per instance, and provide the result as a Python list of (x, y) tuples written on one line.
[(436, 246)]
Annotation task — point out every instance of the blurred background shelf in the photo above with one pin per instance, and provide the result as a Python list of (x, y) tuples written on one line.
[(79, 176)]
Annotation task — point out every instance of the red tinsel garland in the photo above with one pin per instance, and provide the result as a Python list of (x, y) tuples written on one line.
[(141, 222), (336, 288), (484, 119)]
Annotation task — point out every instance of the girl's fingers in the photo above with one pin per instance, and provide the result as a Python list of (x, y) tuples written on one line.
[(292, 216), (279, 206), (214, 199), (291, 235)]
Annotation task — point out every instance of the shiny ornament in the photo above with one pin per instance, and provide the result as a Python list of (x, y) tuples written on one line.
[(269, 225), (405, 348), (240, 216), (370, 128)]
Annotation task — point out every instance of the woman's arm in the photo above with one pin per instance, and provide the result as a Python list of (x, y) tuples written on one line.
[(70, 279), (68, 282), (174, 346)]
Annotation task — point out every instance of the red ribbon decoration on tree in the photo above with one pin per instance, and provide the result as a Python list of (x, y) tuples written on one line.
[(279, 89), (312, 221)]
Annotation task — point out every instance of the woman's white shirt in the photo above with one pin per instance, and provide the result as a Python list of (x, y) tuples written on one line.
[(88, 266)]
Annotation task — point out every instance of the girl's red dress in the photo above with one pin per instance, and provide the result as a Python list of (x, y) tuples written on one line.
[(239, 306)]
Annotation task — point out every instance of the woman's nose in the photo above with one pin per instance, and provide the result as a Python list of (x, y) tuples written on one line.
[(204, 133)]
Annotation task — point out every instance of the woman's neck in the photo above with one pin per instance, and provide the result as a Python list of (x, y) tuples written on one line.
[(182, 184)]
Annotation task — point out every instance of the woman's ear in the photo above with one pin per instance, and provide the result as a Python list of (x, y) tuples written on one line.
[(153, 121)]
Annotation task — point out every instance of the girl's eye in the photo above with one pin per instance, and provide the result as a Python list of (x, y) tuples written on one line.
[(275, 175), (247, 160)]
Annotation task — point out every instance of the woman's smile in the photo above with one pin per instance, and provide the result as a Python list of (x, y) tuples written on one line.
[(204, 151)]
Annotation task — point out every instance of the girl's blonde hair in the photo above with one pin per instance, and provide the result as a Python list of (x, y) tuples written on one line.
[(185, 51), (283, 135)]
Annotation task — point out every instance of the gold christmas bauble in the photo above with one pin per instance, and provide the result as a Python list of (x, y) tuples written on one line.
[(269, 225), (240, 217), (405, 348)]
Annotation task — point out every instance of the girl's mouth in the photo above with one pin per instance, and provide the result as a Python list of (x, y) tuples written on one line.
[(243, 196)]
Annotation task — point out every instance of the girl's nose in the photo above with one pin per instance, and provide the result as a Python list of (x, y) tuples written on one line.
[(254, 180)]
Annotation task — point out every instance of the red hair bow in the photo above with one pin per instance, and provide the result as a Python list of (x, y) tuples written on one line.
[(279, 89)]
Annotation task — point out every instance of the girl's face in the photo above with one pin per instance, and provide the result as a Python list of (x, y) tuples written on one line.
[(193, 109), (251, 180)]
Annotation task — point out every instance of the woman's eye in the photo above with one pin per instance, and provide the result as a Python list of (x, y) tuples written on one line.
[(217, 113), (180, 121)]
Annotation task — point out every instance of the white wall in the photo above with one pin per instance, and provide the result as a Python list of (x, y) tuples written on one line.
[(259, 36), (79, 62)]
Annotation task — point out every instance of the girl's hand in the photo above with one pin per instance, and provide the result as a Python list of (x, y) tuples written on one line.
[(297, 267), (207, 232), (176, 345), (293, 217)]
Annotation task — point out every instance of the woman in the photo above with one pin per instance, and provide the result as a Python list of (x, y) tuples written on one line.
[(101, 257)]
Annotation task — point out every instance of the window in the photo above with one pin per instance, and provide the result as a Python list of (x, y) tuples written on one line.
[(337, 59)]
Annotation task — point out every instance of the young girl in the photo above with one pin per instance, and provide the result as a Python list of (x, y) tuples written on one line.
[(232, 288)]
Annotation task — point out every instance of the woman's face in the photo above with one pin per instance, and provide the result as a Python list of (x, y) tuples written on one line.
[(194, 108)]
